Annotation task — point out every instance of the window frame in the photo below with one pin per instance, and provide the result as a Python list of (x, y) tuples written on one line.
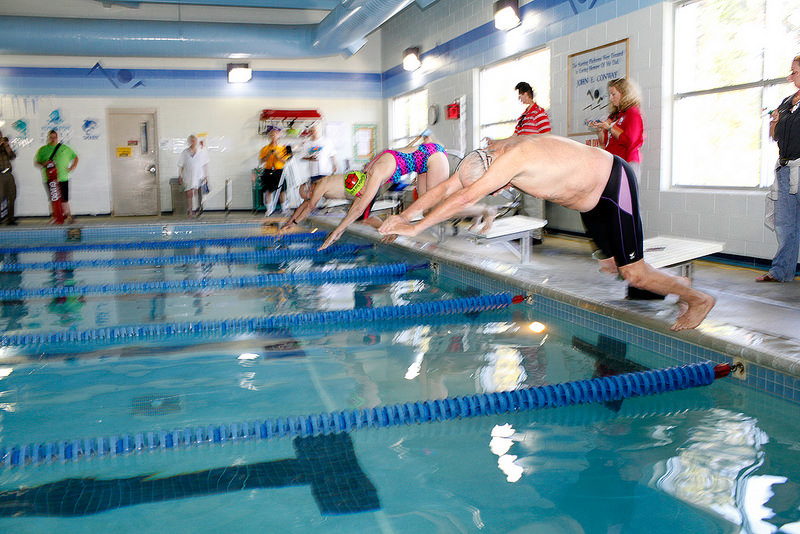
[(396, 142)]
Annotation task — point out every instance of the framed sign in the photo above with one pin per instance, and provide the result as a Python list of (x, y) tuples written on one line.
[(364, 141), (587, 88)]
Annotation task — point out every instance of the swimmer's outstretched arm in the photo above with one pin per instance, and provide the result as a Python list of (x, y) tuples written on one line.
[(502, 171), (428, 200), (357, 209), (304, 210)]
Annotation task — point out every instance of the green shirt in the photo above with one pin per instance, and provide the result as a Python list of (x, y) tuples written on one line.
[(63, 160)]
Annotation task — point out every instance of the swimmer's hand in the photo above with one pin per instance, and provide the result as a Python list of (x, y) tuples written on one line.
[(333, 237), (405, 229), (390, 223), (388, 239)]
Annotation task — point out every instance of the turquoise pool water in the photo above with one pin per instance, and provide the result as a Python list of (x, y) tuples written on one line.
[(722, 458)]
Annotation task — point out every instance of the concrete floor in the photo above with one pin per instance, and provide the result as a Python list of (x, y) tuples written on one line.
[(757, 320)]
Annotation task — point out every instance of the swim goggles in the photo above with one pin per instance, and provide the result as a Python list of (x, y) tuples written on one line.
[(354, 182)]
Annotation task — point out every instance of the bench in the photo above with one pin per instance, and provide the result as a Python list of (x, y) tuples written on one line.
[(508, 229)]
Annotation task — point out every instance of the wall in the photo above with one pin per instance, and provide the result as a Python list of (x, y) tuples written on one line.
[(459, 36), (188, 96)]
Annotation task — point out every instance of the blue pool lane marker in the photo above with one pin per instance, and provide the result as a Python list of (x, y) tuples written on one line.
[(244, 325), (355, 274), (595, 390), (326, 463), (246, 241), (256, 256)]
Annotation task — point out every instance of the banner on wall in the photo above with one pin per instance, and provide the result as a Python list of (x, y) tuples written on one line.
[(589, 73)]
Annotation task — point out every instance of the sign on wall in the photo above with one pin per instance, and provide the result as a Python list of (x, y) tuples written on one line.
[(589, 74)]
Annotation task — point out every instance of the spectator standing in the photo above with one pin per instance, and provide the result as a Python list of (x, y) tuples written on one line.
[(273, 158), (66, 161), (8, 187), (622, 133), (192, 172), (783, 210), (320, 156), (534, 119)]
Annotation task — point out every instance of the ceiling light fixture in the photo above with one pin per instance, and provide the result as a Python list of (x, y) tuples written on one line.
[(411, 59), (506, 14), (239, 72)]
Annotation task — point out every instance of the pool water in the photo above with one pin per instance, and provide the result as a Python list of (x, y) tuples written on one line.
[(721, 458)]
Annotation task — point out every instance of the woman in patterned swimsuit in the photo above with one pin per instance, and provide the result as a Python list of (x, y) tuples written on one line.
[(428, 160)]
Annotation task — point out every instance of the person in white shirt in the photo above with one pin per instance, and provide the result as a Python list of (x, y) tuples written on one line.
[(320, 156), (192, 171)]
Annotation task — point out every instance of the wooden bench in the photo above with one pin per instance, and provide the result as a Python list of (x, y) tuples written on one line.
[(508, 229)]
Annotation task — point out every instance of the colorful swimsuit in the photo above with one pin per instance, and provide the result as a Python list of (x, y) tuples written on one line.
[(406, 163)]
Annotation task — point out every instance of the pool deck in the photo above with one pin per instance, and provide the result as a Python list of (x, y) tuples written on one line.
[(758, 322)]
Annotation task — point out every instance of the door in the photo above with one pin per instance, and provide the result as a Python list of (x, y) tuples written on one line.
[(134, 162)]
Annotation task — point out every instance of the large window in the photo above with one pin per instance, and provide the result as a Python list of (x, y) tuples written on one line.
[(409, 117), (499, 106), (731, 62)]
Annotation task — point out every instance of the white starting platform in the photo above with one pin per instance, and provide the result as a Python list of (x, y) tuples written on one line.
[(517, 228), (666, 251)]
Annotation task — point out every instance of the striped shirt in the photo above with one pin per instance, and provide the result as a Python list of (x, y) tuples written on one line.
[(533, 121)]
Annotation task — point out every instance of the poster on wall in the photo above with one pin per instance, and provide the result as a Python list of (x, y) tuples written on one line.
[(589, 73)]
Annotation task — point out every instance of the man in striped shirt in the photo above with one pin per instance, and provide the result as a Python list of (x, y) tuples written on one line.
[(534, 119)]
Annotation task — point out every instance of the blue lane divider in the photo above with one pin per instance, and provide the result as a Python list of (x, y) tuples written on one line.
[(603, 389), (224, 327), (255, 256), (228, 282), (244, 241)]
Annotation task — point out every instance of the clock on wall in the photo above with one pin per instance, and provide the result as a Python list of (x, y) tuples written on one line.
[(433, 114)]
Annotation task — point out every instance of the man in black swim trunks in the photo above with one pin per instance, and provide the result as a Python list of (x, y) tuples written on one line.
[(601, 186)]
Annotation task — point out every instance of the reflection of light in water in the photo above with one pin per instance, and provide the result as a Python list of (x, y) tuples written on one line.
[(246, 381), (498, 328), (503, 371), (5, 371), (537, 327), (500, 444), (398, 289), (335, 297), (757, 491), (248, 356), (722, 448), (413, 369)]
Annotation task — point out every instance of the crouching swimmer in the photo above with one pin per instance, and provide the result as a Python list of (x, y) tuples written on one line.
[(600, 186)]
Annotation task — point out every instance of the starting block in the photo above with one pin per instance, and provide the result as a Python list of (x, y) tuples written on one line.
[(508, 229), (665, 251)]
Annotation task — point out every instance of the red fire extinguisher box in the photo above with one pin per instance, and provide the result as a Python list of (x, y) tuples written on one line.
[(453, 111)]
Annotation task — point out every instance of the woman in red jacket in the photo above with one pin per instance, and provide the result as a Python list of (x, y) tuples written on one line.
[(622, 133)]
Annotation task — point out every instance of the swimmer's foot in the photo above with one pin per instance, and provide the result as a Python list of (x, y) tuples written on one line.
[(608, 265), (697, 309)]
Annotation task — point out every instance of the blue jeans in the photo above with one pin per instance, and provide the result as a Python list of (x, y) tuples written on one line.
[(787, 229)]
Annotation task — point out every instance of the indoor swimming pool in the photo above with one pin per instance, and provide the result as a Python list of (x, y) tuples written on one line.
[(134, 390)]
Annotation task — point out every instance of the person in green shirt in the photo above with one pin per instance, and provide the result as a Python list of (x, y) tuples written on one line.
[(66, 160)]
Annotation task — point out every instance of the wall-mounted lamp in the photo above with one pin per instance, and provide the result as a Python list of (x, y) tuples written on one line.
[(239, 72), (506, 14), (411, 59)]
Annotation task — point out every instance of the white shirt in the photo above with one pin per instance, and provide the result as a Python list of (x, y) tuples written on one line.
[(192, 167), (321, 149)]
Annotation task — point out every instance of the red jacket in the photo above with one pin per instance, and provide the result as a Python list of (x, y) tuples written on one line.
[(630, 140)]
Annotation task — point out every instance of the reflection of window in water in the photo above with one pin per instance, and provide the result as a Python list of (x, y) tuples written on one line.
[(503, 370)]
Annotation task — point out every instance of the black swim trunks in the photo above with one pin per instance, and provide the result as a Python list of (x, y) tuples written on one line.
[(614, 224)]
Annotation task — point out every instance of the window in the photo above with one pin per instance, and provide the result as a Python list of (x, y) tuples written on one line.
[(731, 62), (409, 117), (499, 106)]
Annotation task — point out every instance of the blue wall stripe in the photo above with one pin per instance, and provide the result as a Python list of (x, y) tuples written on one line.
[(179, 82)]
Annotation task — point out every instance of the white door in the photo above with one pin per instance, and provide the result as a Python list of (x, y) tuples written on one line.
[(134, 163)]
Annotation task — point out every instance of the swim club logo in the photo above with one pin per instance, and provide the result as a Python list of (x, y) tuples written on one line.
[(119, 79), (90, 129), (21, 127), (579, 6), (55, 118)]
